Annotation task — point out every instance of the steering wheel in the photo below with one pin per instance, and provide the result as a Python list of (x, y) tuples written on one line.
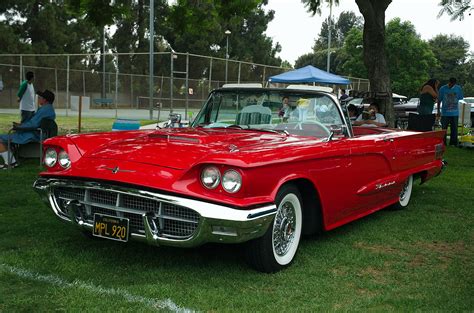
[(322, 127)]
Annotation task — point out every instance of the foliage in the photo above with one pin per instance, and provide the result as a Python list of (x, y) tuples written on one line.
[(456, 8), (339, 30), (351, 54), (247, 22), (314, 6), (43, 28), (411, 60), (451, 52), (76, 26)]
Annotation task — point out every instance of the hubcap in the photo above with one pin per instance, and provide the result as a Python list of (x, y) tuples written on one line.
[(284, 228)]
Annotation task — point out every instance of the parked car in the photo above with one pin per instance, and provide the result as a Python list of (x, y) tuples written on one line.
[(402, 107), (238, 174)]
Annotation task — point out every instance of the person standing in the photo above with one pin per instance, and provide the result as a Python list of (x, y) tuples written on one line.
[(284, 107), (26, 97), (428, 97), (343, 96), (449, 96)]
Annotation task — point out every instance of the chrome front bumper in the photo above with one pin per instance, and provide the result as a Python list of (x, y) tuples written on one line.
[(214, 223)]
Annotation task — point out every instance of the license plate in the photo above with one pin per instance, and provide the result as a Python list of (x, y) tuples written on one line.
[(110, 227)]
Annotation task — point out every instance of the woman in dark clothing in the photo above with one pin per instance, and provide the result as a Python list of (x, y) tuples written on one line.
[(428, 97)]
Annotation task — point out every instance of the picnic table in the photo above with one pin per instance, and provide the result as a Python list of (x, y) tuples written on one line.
[(103, 102)]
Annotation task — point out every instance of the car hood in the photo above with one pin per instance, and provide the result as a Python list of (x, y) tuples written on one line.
[(182, 148)]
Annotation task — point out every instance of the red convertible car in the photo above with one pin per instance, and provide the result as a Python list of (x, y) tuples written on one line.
[(246, 170)]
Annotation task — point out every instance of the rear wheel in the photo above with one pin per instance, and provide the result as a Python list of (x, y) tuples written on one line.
[(277, 248), (405, 194)]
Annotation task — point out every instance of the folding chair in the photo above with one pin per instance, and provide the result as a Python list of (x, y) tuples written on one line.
[(48, 128)]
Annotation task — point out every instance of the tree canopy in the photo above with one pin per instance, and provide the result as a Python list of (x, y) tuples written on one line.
[(76, 26)]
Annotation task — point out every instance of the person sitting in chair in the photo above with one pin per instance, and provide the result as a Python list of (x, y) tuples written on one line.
[(45, 111), (371, 118)]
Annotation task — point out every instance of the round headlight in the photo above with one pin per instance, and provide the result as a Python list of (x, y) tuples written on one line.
[(50, 157), (63, 159), (231, 181), (210, 177)]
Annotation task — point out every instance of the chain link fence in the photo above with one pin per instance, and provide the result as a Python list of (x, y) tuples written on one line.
[(181, 81)]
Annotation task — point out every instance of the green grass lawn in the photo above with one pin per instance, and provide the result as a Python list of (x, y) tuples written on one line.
[(418, 259)]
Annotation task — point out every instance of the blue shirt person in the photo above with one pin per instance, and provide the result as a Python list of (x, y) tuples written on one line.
[(449, 95)]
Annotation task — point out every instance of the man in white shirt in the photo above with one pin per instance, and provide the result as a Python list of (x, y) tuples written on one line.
[(26, 97), (372, 118)]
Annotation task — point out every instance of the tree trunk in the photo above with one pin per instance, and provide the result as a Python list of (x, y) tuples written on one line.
[(375, 55)]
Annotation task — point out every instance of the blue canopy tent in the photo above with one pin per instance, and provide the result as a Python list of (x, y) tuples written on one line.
[(309, 74)]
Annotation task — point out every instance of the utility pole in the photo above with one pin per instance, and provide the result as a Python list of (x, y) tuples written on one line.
[(227, 33), (152, 35), (329, 36)]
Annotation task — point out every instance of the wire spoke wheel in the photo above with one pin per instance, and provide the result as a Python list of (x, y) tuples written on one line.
[(277, 248)]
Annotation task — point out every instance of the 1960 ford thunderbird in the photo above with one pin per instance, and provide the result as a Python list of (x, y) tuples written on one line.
[(246, 170)]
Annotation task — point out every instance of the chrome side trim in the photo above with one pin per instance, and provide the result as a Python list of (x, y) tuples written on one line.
[(218, 223)]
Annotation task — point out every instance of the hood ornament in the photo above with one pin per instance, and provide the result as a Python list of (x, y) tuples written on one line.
[(116, 169), (233, 148)]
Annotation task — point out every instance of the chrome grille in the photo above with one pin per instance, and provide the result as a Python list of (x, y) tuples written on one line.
[(70, 193), (138, 203), (102, 197), (98, 210), (173, 210), (173, 221)]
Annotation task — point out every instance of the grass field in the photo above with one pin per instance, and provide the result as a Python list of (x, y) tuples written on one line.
[(418, 259)]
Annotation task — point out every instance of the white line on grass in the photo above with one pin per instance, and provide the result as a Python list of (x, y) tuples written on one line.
[(57, 281)]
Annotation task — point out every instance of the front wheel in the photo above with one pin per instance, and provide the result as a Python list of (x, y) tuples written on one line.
[(277, 248), (405, 194)]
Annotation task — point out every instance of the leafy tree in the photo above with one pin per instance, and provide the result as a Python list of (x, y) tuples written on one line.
[(199, 26), (410, 58), (352, 55), (339, 30), (45, 26), (375, 55), (451, 52)]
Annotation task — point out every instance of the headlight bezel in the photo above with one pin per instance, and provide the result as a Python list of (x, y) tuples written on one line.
[(61, 156), (203, 176), (50, 154), (236, 179)]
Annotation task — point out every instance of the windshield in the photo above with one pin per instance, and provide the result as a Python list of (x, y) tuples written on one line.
[(294, 112)]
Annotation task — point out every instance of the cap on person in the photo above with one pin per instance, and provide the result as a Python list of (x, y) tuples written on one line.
[(46, 94)]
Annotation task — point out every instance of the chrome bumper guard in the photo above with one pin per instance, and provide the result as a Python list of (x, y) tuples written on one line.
[(215, 223)]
